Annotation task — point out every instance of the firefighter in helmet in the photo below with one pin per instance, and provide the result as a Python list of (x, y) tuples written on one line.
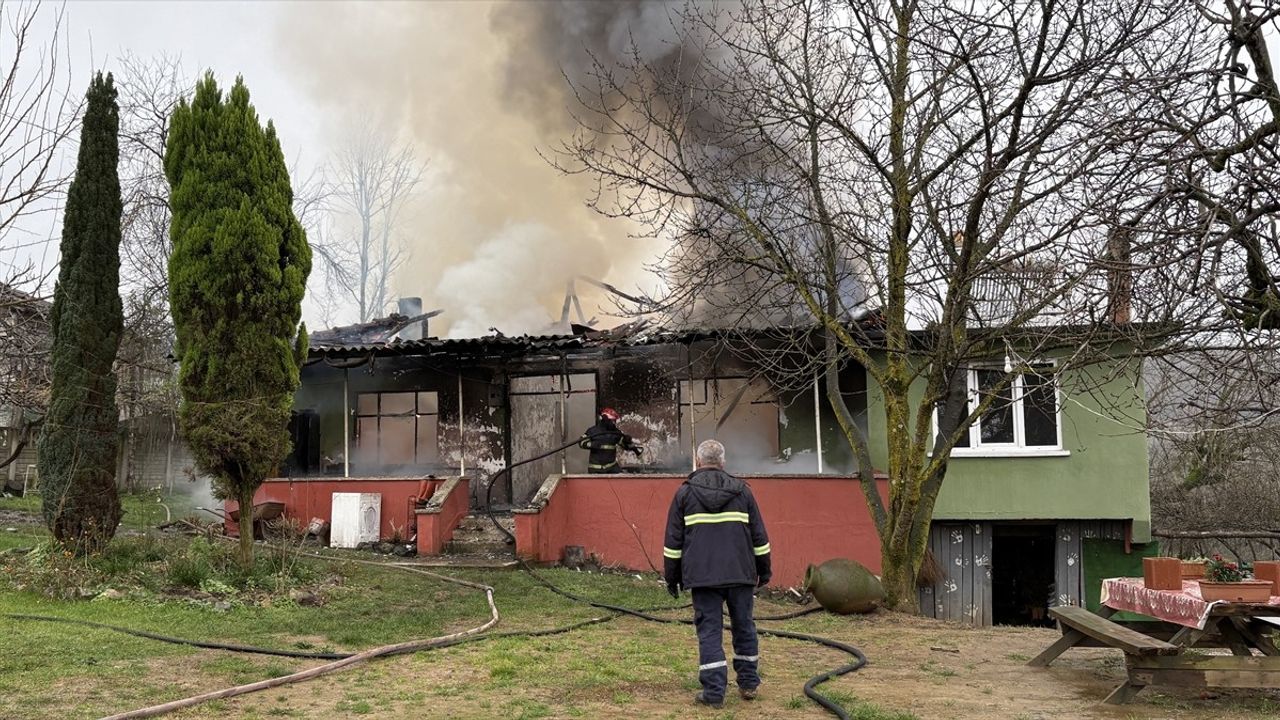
[(603, 440)]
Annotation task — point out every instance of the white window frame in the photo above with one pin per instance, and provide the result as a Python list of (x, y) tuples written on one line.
[(1018, 448)]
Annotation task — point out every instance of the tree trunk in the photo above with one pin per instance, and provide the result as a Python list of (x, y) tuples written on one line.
[(245, 556), (898, 575), (168, 452)]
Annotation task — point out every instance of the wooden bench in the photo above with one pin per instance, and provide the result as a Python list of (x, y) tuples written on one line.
[(1152, 661), (1159, 630), (1078, 623)]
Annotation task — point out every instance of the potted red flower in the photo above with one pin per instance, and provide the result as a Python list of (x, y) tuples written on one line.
[(1226, 580)]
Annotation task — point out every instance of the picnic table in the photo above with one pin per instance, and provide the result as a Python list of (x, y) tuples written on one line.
[(1156, 649)]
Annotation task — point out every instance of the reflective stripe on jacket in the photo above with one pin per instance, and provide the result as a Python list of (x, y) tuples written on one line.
[(715, 534)]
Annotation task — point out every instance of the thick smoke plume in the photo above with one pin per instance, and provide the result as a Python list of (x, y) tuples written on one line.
[(481, 87)]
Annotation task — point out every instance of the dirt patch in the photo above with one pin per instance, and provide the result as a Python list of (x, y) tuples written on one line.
[(629, 668)]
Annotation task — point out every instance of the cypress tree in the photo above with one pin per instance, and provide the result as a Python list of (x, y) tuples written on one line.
[(236, 279), (79, 441)]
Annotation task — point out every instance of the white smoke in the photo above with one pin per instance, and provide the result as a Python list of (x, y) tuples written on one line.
[(520, 259)]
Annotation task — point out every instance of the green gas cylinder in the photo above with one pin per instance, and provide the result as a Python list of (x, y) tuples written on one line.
[(843, 586)]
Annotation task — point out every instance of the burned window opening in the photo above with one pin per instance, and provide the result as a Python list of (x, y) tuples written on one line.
[(397, 429), (741, 412)]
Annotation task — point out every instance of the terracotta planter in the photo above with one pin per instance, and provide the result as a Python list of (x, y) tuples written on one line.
[(1246, 591), (1192, 570), (1268, 570), (1162, 573)]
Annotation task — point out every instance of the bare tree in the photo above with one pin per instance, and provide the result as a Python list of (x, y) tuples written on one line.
[(1217, 138), (38, 112), (934, 192), (150, 88), (1215, 440), (370, 180)]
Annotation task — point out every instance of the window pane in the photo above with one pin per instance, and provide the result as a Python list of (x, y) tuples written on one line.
[(1039, 410), (366, 450), (693, 392), (996, 424), (428, 440), (396, 440), (427, 404), (367, 403), (397, 404)]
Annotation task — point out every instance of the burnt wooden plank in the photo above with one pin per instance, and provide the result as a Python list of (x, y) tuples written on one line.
[(1114, 634)]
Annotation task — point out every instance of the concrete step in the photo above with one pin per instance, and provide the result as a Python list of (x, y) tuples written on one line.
[(465, 561), (480, 529), (472, 547)]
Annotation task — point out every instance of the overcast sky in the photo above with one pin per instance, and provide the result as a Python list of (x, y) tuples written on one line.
[(227, 37)]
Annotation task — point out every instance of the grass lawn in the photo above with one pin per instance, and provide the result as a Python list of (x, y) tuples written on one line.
[(140, 511), (624, 668)]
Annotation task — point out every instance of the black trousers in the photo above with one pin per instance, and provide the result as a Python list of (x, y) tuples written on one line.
[(708, 619)]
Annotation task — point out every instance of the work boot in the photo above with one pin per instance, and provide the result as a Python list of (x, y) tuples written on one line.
[(702, 699), (748, 693)]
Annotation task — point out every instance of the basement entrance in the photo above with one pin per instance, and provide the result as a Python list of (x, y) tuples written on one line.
[(1022, 574)]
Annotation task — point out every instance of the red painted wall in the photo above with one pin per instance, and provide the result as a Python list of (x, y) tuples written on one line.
[(305, 499), (435, 527), (622, 519)]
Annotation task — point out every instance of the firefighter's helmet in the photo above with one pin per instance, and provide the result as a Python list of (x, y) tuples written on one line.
[(610, 414)]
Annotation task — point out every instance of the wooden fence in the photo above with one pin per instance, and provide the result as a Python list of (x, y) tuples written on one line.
[(1241, 545)]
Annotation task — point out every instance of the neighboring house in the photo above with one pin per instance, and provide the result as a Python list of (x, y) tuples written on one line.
[(1049, 494), (151, 453), (24, 382)]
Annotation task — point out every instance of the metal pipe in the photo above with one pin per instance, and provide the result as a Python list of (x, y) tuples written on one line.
[(563, 403), (462, 434), (817, 421), (693, 435), (346, 426)]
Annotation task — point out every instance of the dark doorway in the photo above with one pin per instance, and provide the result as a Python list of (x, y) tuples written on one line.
[(1022, 568)]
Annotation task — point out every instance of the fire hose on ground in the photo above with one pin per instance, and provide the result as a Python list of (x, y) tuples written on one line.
[(478, 633), (810, 687)]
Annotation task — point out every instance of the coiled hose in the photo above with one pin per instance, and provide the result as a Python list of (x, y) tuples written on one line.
[(810, 687)]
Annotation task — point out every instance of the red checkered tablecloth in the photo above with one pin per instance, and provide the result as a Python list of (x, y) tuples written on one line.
[(1184, 607)]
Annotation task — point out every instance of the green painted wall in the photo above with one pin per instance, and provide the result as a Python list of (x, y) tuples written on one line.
[(1104, 477), (1107, 559)]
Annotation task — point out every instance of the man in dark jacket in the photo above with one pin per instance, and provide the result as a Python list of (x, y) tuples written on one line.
[(717, 547), (603, 440)]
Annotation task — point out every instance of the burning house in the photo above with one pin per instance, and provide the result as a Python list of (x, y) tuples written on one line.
[(425, 423)]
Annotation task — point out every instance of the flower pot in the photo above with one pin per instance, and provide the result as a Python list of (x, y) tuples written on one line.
[(1193, 570), (1252, 591), (1162, 573), (1268, 570)]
